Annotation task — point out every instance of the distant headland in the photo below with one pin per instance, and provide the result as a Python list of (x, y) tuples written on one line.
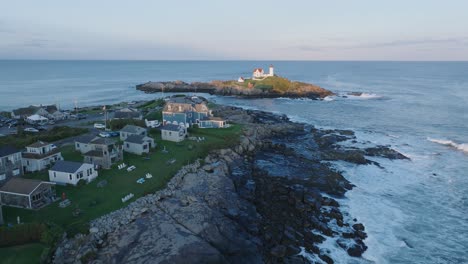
[(261, 85)]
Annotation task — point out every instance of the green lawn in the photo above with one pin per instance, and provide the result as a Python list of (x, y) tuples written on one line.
[(94, 202), (27, 254)]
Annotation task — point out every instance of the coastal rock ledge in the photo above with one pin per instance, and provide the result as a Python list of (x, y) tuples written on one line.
[(267, 200), (286, 88)]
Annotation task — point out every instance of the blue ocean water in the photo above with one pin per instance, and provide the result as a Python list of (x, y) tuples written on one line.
[(414, 211)]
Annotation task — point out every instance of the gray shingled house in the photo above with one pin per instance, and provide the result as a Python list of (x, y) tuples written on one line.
[(138, 144), (129, 130), (27, 193)]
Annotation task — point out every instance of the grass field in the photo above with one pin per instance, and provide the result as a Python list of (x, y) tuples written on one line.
[(93, 202), (24, 254)]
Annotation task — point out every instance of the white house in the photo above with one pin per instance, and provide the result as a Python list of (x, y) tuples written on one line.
[(40, 155), (70, 172), (138, 144), (173, 132), (241, 79), (258, 73), (37, 119)]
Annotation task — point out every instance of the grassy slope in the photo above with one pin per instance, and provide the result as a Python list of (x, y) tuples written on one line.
[(94, 201), (26, 254), (276, 83)]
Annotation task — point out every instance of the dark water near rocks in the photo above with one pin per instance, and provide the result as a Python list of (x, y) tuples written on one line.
[(414, 211)]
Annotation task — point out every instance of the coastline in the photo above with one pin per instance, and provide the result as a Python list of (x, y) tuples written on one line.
[(233, 220), (230, 88)]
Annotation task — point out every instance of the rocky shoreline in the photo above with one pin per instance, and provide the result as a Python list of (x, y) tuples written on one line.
[(267, 200), (229, 89)]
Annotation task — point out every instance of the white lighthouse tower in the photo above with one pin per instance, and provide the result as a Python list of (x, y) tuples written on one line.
[(272, 71)]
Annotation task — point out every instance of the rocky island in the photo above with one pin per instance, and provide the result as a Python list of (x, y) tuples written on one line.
[(270, 199), (268, 87)]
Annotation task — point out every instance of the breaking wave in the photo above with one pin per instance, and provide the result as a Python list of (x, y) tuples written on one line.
[(462, 147), (362, 96)]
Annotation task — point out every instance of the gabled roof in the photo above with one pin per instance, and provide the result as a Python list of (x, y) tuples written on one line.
[(137, 139), (51, 108), (185, 107), (126, 115), (171, 127), (66, 166), (8, 150), (258, 69), (38, 144), (94, 153), (22, 186), (103, 141), (30, 110), (86, 139), (133, 129)]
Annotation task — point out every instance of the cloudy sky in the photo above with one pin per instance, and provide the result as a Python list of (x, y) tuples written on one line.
[(223, 30)]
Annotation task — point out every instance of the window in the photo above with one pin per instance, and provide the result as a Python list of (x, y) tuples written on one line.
[(128, 145), (2, 177), (145, 146), (71, 177), (77, 145), (170, 133), (55, 174), (27, 162)]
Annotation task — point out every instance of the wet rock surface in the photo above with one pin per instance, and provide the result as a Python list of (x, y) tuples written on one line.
[(270, 199)]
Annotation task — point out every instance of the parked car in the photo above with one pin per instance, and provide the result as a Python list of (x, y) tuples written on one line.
[(113, 133), (30, 129), (53, 146), (73, 117), (99, 126), (81, 116), (41, 128), (104, 134), (51, 122)]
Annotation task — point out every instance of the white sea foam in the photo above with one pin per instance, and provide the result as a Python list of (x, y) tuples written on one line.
[(329, 98), (462, 147), (363, 96)]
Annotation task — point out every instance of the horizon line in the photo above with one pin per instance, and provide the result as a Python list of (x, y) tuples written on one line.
[(229, 60)]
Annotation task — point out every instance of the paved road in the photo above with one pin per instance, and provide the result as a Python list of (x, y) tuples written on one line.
[(87, 123)]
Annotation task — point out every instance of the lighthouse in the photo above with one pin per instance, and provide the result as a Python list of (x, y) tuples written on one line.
[(272, 71)]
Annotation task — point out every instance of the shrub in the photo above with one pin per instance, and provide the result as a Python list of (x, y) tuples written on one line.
[(81, 183), (118, 124), (21, 234)]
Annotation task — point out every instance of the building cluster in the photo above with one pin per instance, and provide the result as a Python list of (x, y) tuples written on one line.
[(40, 114), (178, 115), (259, 74)]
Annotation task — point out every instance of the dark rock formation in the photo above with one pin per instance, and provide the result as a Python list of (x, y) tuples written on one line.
[(259, 202)]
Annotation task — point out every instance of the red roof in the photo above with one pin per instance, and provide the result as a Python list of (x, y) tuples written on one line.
[(258, 69)]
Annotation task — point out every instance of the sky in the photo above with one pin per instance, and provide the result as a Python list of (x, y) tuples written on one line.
[(234, 30)]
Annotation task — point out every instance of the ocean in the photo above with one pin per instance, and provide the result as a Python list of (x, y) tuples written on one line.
[(414, 211)]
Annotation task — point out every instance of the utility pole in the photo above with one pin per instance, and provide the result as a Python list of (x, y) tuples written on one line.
[(76, 106)]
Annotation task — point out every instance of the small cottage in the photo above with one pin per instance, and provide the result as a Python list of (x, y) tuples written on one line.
[(138, 144), (10, 163), (39, 156), (129, 130), (27, 193), (70, 172), (128, 113), (173, 133), (212, 122)]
